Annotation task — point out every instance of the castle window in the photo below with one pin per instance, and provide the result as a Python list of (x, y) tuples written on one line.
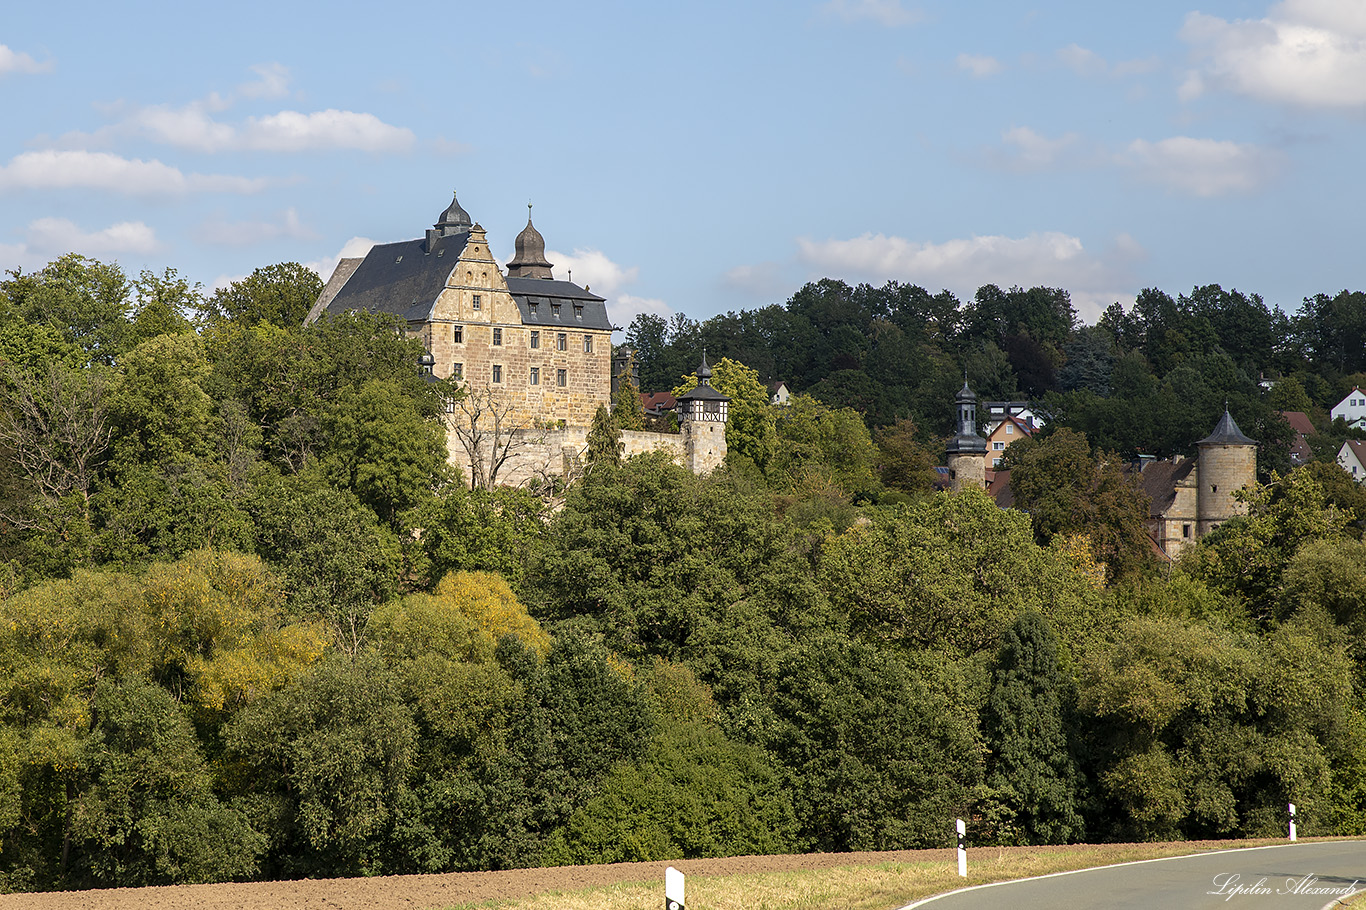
[(475, 301), (497, 372), (561, 378), (457, 371), (554, 309), (534, 307), (497, 336), (458, 334), (535, 376), (578, 311), (1185, 530), (561, 342), (1214, 488), (535, 339), (588, 344)]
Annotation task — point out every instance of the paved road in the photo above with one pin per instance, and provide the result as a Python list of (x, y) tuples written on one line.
[(1289, 877)]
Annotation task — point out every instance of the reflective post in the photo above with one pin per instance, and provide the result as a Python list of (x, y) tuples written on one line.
[(962, 849), (673, 889)]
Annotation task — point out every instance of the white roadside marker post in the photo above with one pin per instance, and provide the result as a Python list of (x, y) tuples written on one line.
[(1292, 821), (673, 889), (962, 849)]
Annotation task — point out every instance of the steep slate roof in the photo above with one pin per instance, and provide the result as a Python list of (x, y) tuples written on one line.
[(407, 277), (1226, 433), (403, 278), (340, 275), (1159, 481), (546, 291)]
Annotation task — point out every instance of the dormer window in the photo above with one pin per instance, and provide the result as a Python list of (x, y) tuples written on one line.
[(534, 307), (578, 311), (554, 309)]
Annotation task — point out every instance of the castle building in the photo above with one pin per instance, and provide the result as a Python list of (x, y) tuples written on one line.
[(1193, 496), (533, 353), (967, 451), (542, 344)]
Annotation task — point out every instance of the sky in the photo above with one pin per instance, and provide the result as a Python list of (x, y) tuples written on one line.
[(702, 157)]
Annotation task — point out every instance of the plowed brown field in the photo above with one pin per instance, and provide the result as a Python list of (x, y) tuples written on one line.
[(418, 892)]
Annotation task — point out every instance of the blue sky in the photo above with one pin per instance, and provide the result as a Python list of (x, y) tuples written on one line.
[(703, 157)]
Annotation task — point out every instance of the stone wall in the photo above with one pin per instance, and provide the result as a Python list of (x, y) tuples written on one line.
[(543, 455)]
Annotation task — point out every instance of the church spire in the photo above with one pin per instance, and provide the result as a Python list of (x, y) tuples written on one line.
[(529, 261)]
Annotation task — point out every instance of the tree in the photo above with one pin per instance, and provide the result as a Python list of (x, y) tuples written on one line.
[(1030, 767), (903, 463), (493, 431), (279, 294), (627, 410), (604, 441), (383, 448), (1067, 490), (823, 448), (332, 756)]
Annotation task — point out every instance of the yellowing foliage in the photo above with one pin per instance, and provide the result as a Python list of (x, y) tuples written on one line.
[(487, 601), (264, 663), (1077, 549)]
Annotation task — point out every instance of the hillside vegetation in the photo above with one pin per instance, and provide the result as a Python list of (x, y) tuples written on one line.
[(253, 626)]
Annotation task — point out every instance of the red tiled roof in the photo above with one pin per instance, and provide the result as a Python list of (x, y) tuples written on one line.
[(1299, 422)]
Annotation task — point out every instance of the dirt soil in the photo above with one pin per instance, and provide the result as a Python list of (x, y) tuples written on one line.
[(420, 892)]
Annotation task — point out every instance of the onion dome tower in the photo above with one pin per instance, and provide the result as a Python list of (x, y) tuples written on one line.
[(702, 415), (1227, 463), (967, 452), (454, 222), (529, 262)]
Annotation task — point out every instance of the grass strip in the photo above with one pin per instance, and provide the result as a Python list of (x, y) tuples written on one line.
[(880, 886)]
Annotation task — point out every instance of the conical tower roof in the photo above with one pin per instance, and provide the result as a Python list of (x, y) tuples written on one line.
[(529, 261), (1226, 433)]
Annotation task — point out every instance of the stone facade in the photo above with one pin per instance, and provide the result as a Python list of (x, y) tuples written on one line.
[(1192, 496), (535, 350)]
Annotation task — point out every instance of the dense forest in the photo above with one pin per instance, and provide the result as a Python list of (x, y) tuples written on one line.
[(254, 625)]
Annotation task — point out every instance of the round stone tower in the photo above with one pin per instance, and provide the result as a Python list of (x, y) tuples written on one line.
[(967, 452), (1227, 463), (702, 416)]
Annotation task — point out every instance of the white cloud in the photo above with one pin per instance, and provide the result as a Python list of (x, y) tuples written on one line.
[(1031, 151), (192, 127), (1309, 53), (763, 280), (884, 12), (979, 66), (51, 237), (1082, 61), (291, 131), (18, 62), (355, 248), (624, 308), (52, 169), (1048, 258), (592, 269), (272, 81), (1202, 167), (246, 233)]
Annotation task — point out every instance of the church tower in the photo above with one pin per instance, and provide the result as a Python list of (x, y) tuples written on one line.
[(967, 452), (702, 416), (1227, 463)]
